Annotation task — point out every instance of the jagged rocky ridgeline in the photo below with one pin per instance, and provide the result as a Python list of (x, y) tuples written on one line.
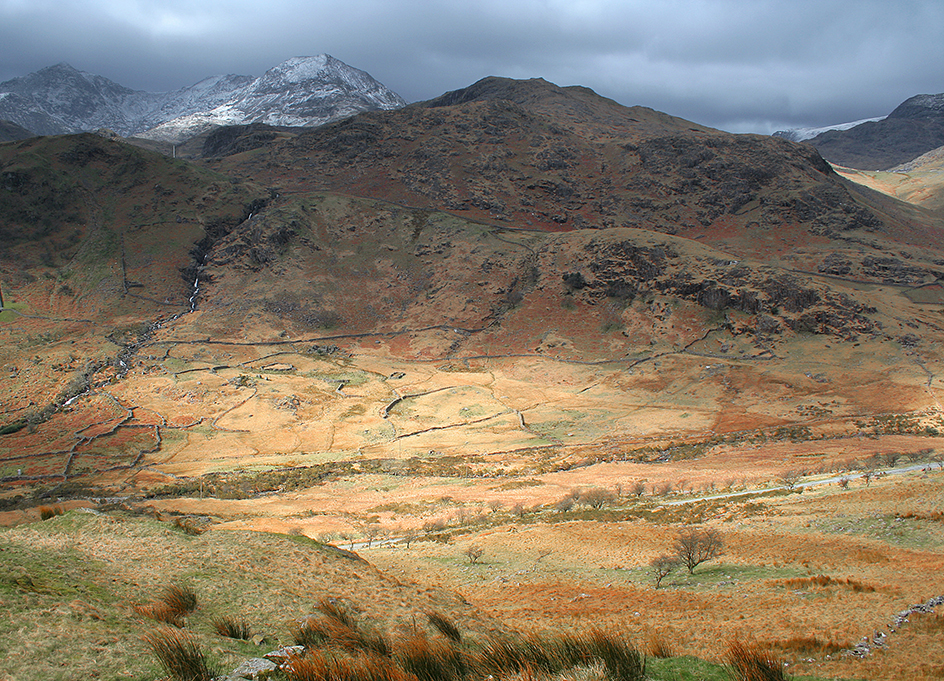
[(302, 91)]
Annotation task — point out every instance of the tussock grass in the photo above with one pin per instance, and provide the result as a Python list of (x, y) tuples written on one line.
[(175, 603), (554, 654), (321, 666), (339, 629), (929, 623), (430, 660), (308, 633), (444, 626), (230, 627), (179, 654), (659, 646), (47, 512), (333, 610), (811, 645), (750, 662), (825, 580)]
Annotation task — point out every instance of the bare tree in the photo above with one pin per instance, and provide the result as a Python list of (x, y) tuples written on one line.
[(473, 553), (661, 567), (789, 479), (597, 497), (409, 536), (694, 547)]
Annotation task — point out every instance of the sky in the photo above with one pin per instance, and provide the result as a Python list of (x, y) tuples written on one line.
[(737, 65)]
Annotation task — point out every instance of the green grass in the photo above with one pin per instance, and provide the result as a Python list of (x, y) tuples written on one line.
[(905, 533), (7, 315)]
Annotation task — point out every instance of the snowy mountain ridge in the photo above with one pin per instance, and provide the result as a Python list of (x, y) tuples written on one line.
[(801, 134), (302, 91)]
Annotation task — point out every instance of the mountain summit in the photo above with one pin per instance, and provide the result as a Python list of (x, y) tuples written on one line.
[(302, 91)]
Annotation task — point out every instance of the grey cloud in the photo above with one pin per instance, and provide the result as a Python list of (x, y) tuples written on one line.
[(731, 64)]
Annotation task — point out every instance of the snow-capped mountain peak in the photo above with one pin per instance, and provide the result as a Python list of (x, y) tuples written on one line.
[(301, 91)]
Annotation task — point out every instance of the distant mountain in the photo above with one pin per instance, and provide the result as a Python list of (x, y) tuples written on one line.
[(803, 134), (303, 91), (915, 127)]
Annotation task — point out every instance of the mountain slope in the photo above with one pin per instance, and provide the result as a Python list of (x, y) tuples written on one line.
[(531, 155), (551, 271), (10, 132)]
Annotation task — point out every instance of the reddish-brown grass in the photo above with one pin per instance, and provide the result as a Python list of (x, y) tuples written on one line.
[(750, 662)]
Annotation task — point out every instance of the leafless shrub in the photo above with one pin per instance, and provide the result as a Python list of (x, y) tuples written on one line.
[(789, 479), (409, 536), (661, 567), (474, 553), (889, 459), (597, 497), (662, 489), (694, 547), (565, 504)]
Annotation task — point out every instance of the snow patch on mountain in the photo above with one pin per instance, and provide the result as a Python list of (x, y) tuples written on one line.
[(801, 134)]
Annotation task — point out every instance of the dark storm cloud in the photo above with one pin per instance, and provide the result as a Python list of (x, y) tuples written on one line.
[(732, 64)]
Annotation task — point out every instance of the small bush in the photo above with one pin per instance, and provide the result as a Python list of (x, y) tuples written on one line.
[(444, 626), (47, 512), (750, 662), (230, 627), (179, 655)]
